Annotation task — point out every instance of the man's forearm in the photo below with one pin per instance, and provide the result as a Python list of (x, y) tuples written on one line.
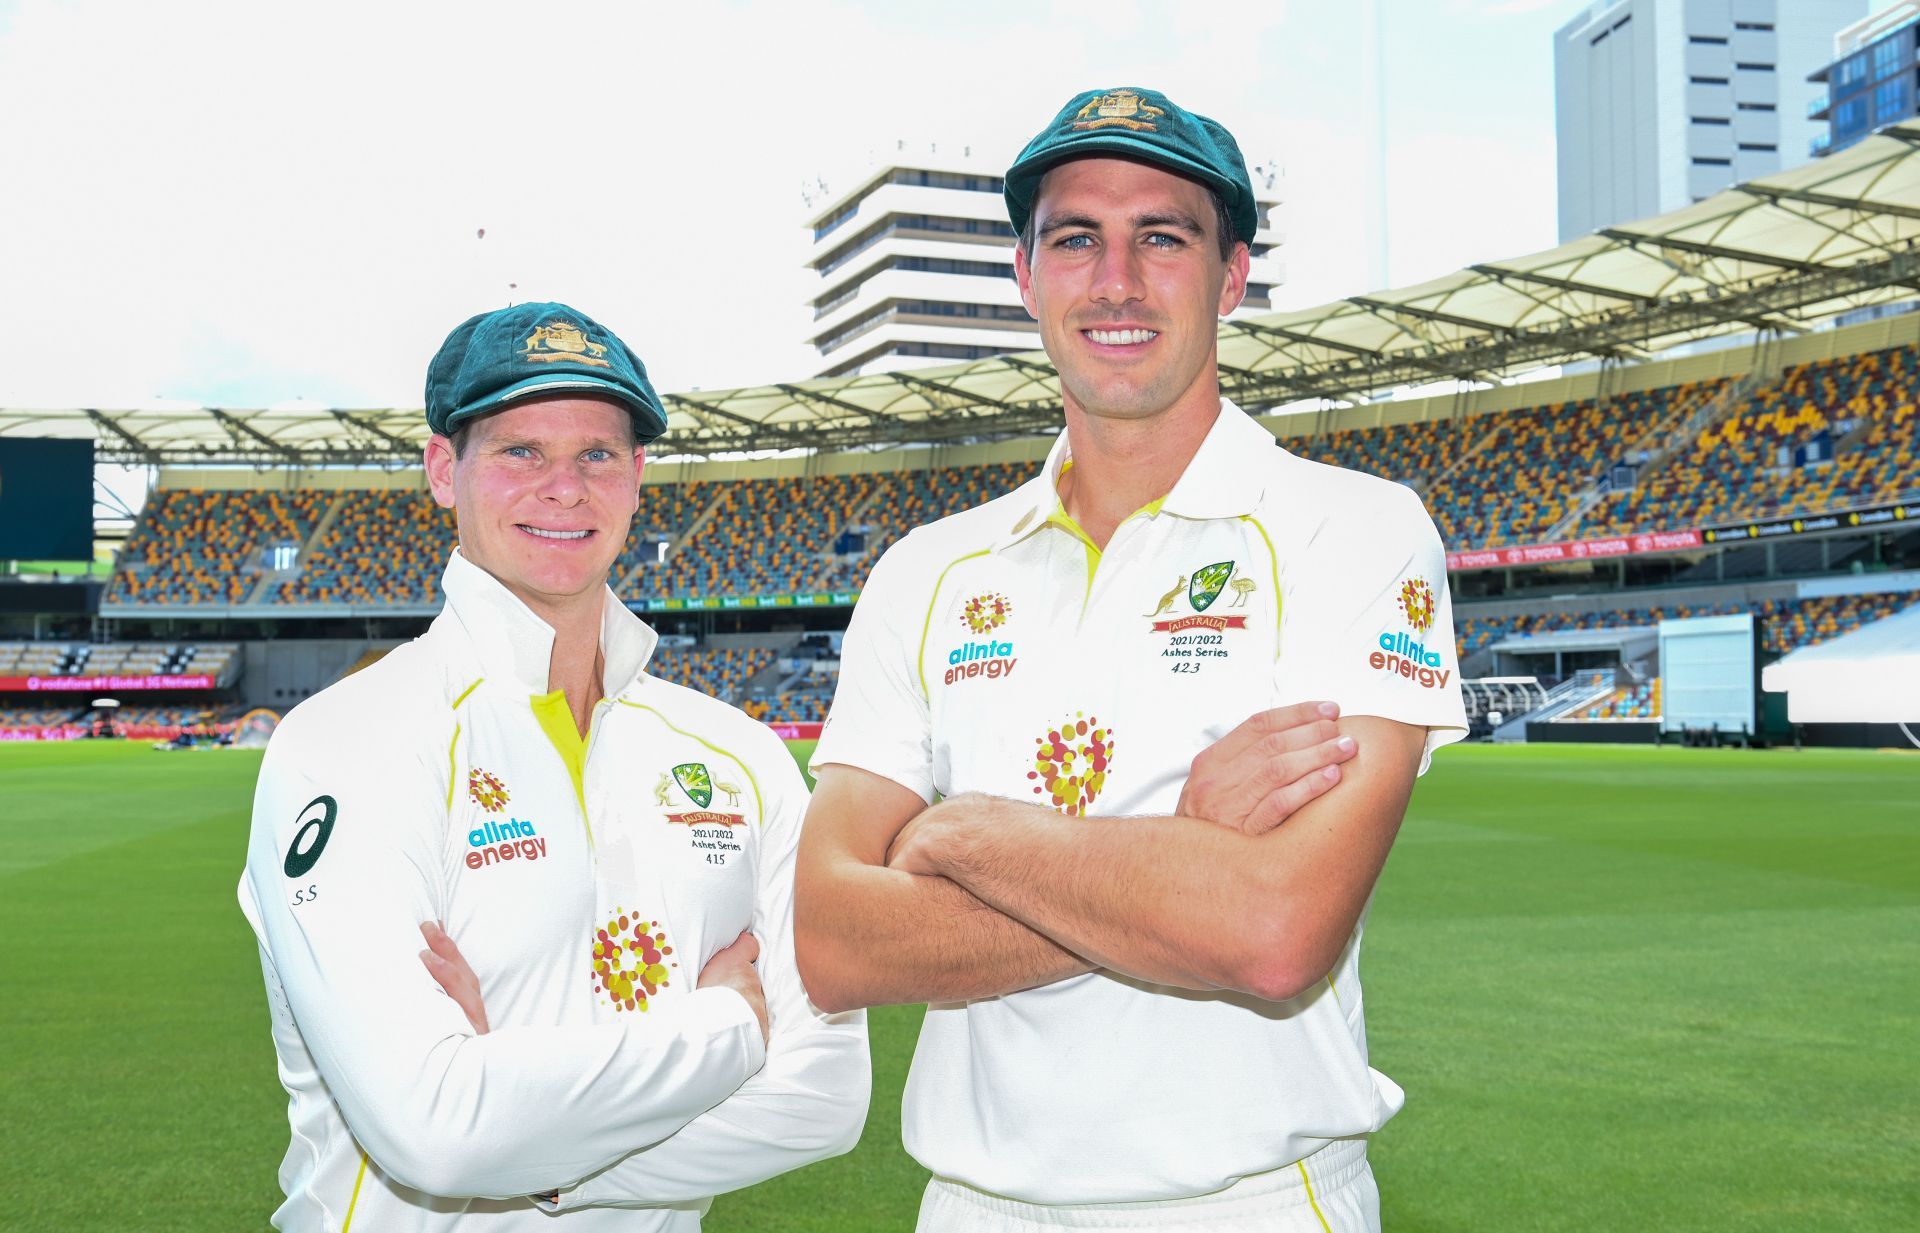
[(1181, 901), (1168, 900), (872, 936)]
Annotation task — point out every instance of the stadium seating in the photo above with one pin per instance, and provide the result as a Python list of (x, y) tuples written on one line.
[(385, 547), (1788, 624), (38, 719), (903, 500), (720, 672), (168, 720), (1640, 701), (116, 658), (763, 537), (1861, 407), (196, 547), (1501, 478)]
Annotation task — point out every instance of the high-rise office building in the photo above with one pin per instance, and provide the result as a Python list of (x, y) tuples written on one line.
[(915, 260), (1874, 78), (1659, 103)]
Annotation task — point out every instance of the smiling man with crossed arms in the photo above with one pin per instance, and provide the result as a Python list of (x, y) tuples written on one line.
[(1135, 911), (612, 852)]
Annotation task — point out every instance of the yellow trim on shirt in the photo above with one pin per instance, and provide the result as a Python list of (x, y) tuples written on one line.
[(453, 766), (926, 625), (1062, 519), (729, 755), (556, 720), (1275, 558), (355, 1200), (1065, 521)]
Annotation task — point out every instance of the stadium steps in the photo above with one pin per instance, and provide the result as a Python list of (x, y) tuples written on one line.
[(1674, 432), (630, 581), (1581, 689), (1439, 481), (270, 579)]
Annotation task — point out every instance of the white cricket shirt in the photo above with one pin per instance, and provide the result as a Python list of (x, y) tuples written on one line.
[(587, 882), (997, 651)]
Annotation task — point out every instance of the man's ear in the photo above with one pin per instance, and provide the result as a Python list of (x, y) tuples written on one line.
[(1023, 276), (1239, 267), (439, 462)]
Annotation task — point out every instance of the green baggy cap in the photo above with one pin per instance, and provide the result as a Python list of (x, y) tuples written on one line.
[(1142, 124), (530, 350)]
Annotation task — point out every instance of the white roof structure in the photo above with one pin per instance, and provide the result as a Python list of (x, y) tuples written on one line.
[(1870, 676), (1783, 253)]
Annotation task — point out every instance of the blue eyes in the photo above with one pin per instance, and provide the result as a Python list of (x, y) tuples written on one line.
[(527, 451), (1154, 239)]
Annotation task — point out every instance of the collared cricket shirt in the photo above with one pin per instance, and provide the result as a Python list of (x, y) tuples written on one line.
[(587, 881), (998, 651)]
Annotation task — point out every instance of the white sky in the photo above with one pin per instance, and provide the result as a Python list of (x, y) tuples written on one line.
[(243, 203)]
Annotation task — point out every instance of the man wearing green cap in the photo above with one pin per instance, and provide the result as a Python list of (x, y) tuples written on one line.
[(516, 779), (1135, 911)]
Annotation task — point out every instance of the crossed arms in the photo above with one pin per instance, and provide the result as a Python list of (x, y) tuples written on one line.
[(976, 896)]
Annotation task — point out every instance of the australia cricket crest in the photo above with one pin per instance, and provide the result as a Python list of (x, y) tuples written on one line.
[(1208, 582), (698, 785), (1206, 585)]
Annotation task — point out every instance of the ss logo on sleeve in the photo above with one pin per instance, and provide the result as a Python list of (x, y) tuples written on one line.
[(310, 836)]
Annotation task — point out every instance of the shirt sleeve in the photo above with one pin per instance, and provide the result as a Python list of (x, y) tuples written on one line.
[(880, 720), (342, 865), (810, 1100), (1367, 622)]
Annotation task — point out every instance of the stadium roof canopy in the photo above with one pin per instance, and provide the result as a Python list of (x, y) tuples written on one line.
[(1778, 254)]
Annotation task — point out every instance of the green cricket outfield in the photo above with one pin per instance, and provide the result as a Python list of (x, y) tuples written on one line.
[(1625, 988)]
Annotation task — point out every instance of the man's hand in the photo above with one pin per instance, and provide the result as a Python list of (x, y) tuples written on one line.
[(1256, 776), (449, 968), (915, 848), (733, 967)]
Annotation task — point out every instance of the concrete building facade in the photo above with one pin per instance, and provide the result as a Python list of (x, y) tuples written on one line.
[(915, 264), (1659, 103)]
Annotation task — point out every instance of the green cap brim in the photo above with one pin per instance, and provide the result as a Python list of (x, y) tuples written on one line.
[(648, 422), (1024, 177)]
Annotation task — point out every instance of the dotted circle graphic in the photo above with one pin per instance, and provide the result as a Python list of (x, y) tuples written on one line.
[(630, 961), (1070, 764)]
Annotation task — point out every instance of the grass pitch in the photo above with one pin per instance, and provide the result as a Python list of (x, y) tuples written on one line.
[(1625, 988)]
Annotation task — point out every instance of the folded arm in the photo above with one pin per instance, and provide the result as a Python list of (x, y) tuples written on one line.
[(1181, 901), (436, 1107), (868, 935), (806, 1104)]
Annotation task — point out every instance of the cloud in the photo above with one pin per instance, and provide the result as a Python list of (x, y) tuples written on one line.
[(244, 203)]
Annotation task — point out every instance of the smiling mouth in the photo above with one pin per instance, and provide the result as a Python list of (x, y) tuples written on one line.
[(1121, 338), (543, 533)]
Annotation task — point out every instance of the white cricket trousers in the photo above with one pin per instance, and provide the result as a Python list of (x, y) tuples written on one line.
[(1331, 1191)]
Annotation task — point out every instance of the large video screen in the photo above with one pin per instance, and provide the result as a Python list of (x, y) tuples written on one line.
[(1711, 678), (46, 499)]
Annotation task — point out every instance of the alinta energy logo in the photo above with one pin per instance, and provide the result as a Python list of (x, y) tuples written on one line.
[(1416, 601), (1070, 764), (487, 790), (631, 960), (992, 658), (1402, 655), (985, 613)]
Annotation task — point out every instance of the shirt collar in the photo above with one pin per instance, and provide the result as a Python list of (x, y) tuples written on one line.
[(1225, 478), (512, 642)]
